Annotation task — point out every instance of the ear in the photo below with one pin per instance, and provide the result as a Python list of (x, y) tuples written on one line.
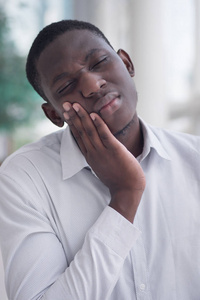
[(127, 61), (52, 115)]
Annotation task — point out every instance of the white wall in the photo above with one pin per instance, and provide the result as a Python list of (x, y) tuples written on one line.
[(148, 54)]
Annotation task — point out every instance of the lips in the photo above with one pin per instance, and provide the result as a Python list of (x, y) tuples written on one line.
[(104, 101)]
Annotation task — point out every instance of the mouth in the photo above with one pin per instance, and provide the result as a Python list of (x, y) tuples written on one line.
[(106, 103)]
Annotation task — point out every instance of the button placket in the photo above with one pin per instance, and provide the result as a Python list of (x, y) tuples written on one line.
[(140, 270)]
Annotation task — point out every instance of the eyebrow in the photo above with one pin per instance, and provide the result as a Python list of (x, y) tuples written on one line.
[(60, 76), (91, 52), (65, 74)]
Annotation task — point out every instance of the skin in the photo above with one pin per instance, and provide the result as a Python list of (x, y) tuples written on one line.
[(90, 86)]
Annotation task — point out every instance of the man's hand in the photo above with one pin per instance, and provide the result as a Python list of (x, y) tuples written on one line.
[(116, 167)]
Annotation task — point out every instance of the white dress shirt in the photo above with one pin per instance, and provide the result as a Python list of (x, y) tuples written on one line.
[(61, 241)]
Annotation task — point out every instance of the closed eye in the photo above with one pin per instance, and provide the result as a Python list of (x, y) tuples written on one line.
[(96, 65), (66, 87)]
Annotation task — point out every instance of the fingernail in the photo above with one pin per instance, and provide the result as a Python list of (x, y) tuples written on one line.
[(75, 107), (66, 116), (92, 116), (66, 106)]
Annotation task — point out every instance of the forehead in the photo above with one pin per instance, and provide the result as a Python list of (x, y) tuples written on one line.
[(76, 43), (83, 38)]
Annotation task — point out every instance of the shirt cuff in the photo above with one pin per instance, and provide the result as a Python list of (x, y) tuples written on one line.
[(115, 231)]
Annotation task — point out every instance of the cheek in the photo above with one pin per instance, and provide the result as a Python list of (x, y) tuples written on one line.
[(74, 98), (130, 99), (130, 89), (123, 80)]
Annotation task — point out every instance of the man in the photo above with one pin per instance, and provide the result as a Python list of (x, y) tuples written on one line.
[(109, 207)]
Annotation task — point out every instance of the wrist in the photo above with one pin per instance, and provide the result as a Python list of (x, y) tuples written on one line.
[(126, 203)]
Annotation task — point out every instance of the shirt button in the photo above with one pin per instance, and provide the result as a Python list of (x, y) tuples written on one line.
[(142, 287)]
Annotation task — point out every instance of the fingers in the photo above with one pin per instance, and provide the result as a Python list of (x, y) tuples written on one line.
[(88, 130), (69, 115), (88, 126), (82, 127), (107, 138)]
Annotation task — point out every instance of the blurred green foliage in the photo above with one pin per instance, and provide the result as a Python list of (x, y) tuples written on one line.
[(19, 103)]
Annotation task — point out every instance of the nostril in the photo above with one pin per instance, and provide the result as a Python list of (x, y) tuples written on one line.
[(103, 84), (86, 94), (91, 84)]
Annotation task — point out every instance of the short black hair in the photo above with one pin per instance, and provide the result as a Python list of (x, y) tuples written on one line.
[(47, 35)]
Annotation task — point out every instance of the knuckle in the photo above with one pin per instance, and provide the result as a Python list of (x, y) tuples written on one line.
[(104, 136), (90, 132), (82, 114), (80, 132), (98, 124), (73, 117)]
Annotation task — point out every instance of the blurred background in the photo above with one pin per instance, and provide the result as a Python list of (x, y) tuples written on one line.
[(161, 36)]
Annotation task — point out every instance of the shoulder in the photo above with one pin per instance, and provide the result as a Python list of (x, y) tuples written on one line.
[(176, 138), (178, 144), (34, 152)]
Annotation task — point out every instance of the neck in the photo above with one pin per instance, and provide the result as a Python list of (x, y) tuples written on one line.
[(131, 136)]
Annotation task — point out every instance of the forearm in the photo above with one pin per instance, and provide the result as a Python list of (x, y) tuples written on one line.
[(95, 269), (36, 263)]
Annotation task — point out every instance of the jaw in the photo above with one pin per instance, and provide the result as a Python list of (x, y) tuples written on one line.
[(122, 122), (131, 136), (125, 130)]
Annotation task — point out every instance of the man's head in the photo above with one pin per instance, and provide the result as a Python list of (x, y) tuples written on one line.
[(46, 36), (72, 61)]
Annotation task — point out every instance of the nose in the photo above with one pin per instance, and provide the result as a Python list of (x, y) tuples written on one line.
[(90, 84)]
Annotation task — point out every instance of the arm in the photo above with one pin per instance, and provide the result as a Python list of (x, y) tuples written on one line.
[(36, 267), (109, 159), (34, 260)]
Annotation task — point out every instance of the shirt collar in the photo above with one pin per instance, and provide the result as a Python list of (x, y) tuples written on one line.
[(72, 160), (151, 141)]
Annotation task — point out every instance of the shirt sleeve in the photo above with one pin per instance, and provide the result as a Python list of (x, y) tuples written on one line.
[(34, 259)]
